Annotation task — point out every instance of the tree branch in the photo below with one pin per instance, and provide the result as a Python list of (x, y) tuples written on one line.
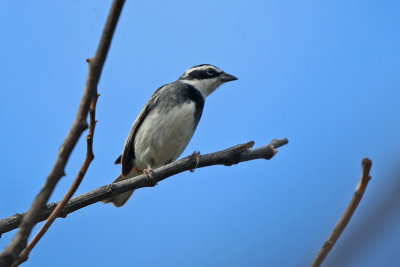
[(18, 243), (348, 213), (78, 179), (227, 157)]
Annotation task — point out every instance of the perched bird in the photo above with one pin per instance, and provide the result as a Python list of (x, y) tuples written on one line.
[(167, 122)]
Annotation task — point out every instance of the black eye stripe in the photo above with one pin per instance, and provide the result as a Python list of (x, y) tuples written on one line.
[(211, 72), (203, 74)]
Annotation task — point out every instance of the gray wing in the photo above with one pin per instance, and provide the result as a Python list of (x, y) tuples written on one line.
[(128, 153)]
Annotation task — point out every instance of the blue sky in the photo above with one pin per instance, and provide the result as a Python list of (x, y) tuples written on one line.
[(324, 74)]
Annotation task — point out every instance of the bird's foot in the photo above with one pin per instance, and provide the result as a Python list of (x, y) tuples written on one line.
[(149, 172), (195, 155)]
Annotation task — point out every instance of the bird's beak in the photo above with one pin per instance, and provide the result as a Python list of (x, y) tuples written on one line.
[(226, 77)]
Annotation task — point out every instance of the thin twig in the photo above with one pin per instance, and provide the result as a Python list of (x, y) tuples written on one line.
[(78, 179), (232, 155), (348, 213), (18, 243)]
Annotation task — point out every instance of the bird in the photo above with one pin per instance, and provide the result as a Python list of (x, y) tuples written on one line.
[(167, 122)]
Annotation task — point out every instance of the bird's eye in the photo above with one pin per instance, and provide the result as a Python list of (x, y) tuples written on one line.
[(211, 72)]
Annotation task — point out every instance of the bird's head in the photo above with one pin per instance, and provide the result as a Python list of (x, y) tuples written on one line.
[(206, 78)]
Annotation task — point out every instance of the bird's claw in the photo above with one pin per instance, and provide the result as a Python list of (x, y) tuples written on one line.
[(195, 155), (149, 172)]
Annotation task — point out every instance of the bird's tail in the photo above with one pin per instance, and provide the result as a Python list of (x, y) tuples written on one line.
[(121, 199)]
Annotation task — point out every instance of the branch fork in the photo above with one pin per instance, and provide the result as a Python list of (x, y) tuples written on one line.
[(11, 253)]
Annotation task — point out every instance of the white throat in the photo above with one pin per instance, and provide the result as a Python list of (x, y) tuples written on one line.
[(205, 86)]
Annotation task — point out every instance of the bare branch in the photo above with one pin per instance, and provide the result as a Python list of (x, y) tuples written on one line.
[(78, 179), (11, 252), (227, 157), (348, 213)]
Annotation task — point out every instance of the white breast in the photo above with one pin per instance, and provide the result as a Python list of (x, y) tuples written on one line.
[(162, 137)]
